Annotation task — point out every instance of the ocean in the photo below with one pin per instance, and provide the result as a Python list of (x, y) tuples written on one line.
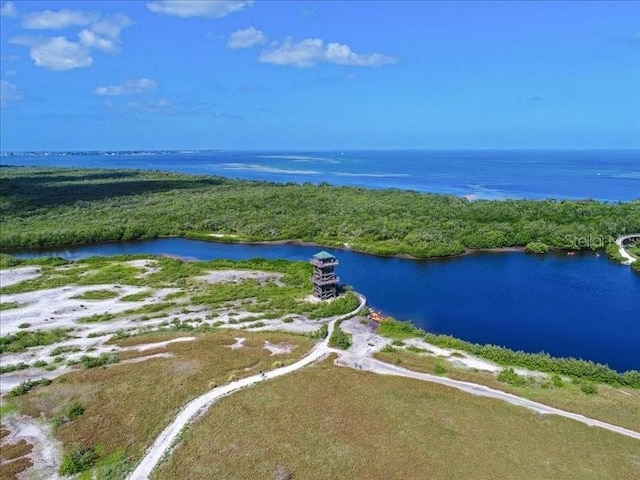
[(608, 175)]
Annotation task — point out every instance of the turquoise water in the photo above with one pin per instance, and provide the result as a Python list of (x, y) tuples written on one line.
[(583, 306), (611, 175)]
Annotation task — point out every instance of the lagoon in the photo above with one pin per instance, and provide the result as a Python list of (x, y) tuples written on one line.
[(584, 306)]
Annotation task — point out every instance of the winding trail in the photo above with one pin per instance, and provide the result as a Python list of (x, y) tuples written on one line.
[(359, 356), (383, 368), (623, 252), (162, 445)]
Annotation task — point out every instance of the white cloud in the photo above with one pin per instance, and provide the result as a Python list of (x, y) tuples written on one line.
[(311, 51), (59, 53), (198, 8), (8, 10), (61, 19), (9, 94), (56, 53), (128, 87), (246, 38)]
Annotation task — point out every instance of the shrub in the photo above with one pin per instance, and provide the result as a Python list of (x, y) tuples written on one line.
[(78, 460), (27, 385), (340, 339), (13, 367), (439, 369), (321, 333), (589, 388), (99, 361), (556, 380), (70, 413), (508, 375), (536, 247), (397, 330)]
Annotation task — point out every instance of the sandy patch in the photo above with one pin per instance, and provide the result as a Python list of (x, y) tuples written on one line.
[(11, 276), (151, 346), (148, 357), (227, 276), (239, 343), (465, 360), (56, 308), (278, 349), (147, 267), (222, 235), (47, 451)]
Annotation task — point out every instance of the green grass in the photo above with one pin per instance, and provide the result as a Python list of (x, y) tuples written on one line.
[(615, 405), (339, 338), (127, 405), (97, 295), (8, 305), (20, 341), (136, 297), (327, 422)]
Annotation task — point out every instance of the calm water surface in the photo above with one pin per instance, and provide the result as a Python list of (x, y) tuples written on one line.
[(491, 174), (583, 306)]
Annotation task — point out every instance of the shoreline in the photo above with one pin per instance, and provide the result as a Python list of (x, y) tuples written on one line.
[(295, 242)]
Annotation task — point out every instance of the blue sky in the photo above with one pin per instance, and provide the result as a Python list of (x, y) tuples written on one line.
[(319, 75)]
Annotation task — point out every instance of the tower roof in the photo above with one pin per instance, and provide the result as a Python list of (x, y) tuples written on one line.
[(323, 255)]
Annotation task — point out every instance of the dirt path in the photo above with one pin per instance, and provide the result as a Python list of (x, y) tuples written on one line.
[(623, 252), (162, 445), (365, 342)]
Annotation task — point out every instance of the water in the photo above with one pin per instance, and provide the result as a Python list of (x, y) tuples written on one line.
[(583, 306), (610, 175)]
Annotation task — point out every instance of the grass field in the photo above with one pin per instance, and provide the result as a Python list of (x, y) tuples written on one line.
[(619, 406), (328, 422), (127, 405)]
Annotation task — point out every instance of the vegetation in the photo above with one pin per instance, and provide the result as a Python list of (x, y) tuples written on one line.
[(97, 295), (26, 386), (99, 361), (536, 247), (72, 411), (13, 367), (78, 460), (20, 341), (127, 405), (339, 423), (46, 206), (615, 405), (542, 362), (508, 375), (8, 305), (339, 338)]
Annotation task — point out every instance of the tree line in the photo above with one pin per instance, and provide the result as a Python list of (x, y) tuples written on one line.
[(48, 207)]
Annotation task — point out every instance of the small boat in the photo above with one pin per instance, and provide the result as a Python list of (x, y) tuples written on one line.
[(571, 254)]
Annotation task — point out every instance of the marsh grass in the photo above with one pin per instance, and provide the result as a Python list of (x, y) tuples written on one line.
[(11, 469), (127, 405), (619, 406), (22, 340), (8, 305), (327, 422), (97, 295)]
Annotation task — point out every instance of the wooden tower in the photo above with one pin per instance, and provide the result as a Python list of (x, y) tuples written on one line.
[(324, 277)]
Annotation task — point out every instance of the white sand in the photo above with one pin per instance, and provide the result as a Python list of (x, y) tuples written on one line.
[(47, 451), (11, 276), (278, 349), (239, 343), (226, 276)]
